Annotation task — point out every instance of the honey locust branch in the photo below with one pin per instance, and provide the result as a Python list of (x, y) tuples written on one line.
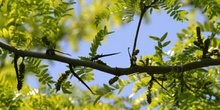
[(113, 70)]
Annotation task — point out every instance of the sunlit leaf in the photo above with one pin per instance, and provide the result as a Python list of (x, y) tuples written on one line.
[(121, 82)]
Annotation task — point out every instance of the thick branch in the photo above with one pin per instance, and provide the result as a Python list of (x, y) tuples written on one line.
[(114, 70)]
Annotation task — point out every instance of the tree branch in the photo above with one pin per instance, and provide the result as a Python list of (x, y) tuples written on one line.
[(143, 11), (114, 70)]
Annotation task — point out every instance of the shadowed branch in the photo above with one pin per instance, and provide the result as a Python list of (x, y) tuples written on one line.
[(114, 70)]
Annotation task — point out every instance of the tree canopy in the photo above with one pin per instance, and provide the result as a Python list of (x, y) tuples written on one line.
[(31, 32)]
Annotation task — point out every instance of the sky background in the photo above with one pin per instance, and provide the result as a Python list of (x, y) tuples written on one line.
[(119, 41)]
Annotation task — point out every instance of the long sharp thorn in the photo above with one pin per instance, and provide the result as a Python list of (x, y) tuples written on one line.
[(61, 52), (104, 55), (160, 84), (71, 69)]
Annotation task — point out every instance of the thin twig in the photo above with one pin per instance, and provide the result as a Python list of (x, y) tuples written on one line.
[(137, 31), (143, 11)]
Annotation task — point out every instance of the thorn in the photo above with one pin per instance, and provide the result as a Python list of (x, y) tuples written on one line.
[(103, 55), (71, 69)]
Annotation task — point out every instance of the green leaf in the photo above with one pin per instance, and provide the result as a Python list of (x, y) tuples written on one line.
[(97, 99), (157, 49), (159, 44), (65, 87), (172, 13), (121, 82), (5, 32), (136, 87), (107, 88), (177, 6), (66, 91), (182, 12), (170, 10), (120, 90), (11, 20), (44, 71), (97, 41), (154, 38), (163, 37), (132, 77), (166, 43), (116, 86)]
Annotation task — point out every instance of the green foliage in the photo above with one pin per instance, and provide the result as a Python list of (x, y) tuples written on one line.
[(173, 10), (210, 8), (97, 41), (41, 71), (6, 93), (25, 24), (25, 21), (159, 48), (124, 9)]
